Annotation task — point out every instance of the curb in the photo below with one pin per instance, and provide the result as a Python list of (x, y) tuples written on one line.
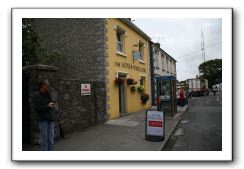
[(166, 140)]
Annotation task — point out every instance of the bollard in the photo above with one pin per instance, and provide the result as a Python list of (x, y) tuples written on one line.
[(154, 125)]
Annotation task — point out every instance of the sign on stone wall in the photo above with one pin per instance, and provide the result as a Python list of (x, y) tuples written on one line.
[(85, 89)]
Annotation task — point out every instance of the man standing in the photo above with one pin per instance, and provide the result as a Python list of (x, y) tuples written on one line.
[(215, 90), (44, 109)]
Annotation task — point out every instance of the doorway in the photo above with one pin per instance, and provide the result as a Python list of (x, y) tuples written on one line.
[(122, 96)]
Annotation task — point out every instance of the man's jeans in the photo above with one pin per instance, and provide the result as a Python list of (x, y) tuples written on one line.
[(46, 135)]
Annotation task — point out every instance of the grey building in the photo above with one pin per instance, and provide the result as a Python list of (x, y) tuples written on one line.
[(162, 64)]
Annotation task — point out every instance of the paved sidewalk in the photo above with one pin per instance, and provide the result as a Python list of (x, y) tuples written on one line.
[(122, 134)]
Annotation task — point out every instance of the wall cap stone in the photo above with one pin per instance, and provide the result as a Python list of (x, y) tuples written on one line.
[(40, 67)]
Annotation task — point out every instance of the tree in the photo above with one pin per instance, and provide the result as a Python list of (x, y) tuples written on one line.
[(32, 52), (211, 70), (30, 43)]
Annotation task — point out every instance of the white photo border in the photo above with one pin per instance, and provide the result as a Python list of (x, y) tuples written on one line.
[(18, 155)]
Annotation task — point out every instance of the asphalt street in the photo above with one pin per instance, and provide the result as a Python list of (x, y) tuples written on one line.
[(201, 127)]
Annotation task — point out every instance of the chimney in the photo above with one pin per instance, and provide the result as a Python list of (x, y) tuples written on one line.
[(157, 44)]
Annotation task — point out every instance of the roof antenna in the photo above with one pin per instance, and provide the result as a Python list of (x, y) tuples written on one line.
[(202, 48)]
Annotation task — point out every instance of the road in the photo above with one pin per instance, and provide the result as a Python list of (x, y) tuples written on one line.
[(201, 127)]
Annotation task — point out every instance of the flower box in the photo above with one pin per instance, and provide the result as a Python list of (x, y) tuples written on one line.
[(140, 89), (144, 98), (130, 81), (133, 89)]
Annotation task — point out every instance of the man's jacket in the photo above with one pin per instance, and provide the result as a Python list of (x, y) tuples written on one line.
[(40, 103)]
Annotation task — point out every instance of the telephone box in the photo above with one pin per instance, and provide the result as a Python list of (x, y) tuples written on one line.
[(166, 95)]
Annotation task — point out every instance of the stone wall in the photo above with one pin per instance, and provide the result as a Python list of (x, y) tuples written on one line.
[(152, 69), (75, 111), (80, 44), (31, 76)]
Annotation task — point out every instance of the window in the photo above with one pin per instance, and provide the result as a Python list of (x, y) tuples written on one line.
[(162, 59), (142, 81), (141, 49), (170, 66), (120, 41), (157, 58), (167, 65), (174, 68)]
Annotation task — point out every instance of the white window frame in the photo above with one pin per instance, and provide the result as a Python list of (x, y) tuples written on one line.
[(162, 59), (121, 34), (156, 53), (142, 44), (170, 66)]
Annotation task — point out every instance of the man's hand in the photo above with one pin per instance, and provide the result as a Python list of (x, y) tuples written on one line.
[(51, 105)]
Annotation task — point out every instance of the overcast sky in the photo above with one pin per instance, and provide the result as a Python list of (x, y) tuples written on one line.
[(181, 39)]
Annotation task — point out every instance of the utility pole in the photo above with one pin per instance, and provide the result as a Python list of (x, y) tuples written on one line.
[(202, 48), (203, 52)]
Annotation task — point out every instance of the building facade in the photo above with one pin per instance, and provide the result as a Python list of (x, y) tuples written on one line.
[(97, 52), (162, 64), (128, 58)]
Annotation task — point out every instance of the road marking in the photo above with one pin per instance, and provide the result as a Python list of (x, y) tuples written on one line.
[(123, 122), (179, 132), (184, 121)]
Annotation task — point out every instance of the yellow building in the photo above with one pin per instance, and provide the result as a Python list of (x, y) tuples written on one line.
[(127, 58)]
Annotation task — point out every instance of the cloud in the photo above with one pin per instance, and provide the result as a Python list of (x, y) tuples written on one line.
[(181, 38)]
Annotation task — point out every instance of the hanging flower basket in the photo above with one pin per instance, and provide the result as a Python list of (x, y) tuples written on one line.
[(130, 81), (119, 81), (140, 89), (133, 89), (144, 98)]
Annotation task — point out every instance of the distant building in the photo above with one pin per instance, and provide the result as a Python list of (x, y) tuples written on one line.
[(162, 64), (182, 84)]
